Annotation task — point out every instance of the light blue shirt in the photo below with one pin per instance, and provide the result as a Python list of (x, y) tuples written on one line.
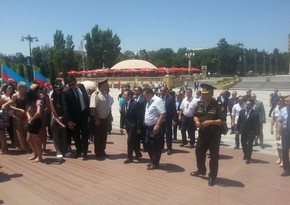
[(153, 110), (283, 117)]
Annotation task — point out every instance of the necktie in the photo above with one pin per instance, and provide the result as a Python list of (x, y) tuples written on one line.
[(247, 114), (288, 120), (126, 107)]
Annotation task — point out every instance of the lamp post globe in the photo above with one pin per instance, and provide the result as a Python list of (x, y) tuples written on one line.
[(30, 39)]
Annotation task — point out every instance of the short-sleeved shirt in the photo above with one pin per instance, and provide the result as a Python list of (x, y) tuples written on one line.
[(33, 109), (212, 111), (283, 117), (101, 103), (236, 111), (188, 106), (153, 110)]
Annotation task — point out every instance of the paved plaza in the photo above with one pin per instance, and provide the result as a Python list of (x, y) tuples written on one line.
[(109, 182)]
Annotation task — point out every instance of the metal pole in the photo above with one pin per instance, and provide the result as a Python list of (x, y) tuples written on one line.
[(30, 39)]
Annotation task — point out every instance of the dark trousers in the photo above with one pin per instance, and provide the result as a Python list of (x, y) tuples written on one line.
[(142, 137), (247, 145), (100, 136), (271, 110), (188, 124), (133, 144), (175, 127), (211, 142), (237, 137), (154, 144), (167, 133), (285, 150), (80, 134)]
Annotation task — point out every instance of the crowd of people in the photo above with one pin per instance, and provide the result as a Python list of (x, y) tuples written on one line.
[(151, 118)]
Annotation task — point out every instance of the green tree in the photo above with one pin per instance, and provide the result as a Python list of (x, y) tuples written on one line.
[(102, 48)]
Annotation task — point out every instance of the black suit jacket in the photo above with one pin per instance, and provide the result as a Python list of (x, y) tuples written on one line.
[(250, 126), (170, 108), (71, 105), (142, 105), (132, 119)]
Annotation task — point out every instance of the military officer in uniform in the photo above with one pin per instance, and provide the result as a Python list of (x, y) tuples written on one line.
[(100, 107), (208, 118)]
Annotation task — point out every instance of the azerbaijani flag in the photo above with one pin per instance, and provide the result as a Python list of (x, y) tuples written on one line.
[(8, 75), (38, 77)]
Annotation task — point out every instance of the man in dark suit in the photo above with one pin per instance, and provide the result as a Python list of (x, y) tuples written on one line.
[(170, 108), (248, 126), (76, 111), (258, 106), (132, 121), (138, 91)]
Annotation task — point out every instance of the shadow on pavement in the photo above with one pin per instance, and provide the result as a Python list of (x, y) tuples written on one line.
[(222, 156), (171, 168)]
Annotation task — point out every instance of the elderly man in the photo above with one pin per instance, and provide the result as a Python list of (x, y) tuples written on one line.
[(154, 117), (258, 106), (234, 118), (208, 118)]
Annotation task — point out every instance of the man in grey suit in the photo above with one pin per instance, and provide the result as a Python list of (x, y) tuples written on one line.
[(259, 108)]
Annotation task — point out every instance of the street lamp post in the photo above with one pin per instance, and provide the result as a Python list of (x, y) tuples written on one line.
[(189, 54), (30, 39)]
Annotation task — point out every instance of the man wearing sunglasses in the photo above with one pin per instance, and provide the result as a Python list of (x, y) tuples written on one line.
[(76, 111)]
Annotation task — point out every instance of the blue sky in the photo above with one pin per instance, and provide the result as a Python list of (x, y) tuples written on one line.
[(148, 24)]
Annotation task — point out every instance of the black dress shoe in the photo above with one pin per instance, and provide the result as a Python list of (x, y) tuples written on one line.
[(77, 155), (85, 157), (248, 161), (285, 174), (169, 151), (197, 173), (105, 155), (152, 167), (182, 144), (138, 156), (211, 181), (100, 157), (128, 160)]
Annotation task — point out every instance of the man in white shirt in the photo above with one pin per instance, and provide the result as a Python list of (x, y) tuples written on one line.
[(235, 116), (186, 113), (154, 116)]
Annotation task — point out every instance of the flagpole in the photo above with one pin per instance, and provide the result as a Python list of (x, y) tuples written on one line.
[(2, 74), (33, 75)]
